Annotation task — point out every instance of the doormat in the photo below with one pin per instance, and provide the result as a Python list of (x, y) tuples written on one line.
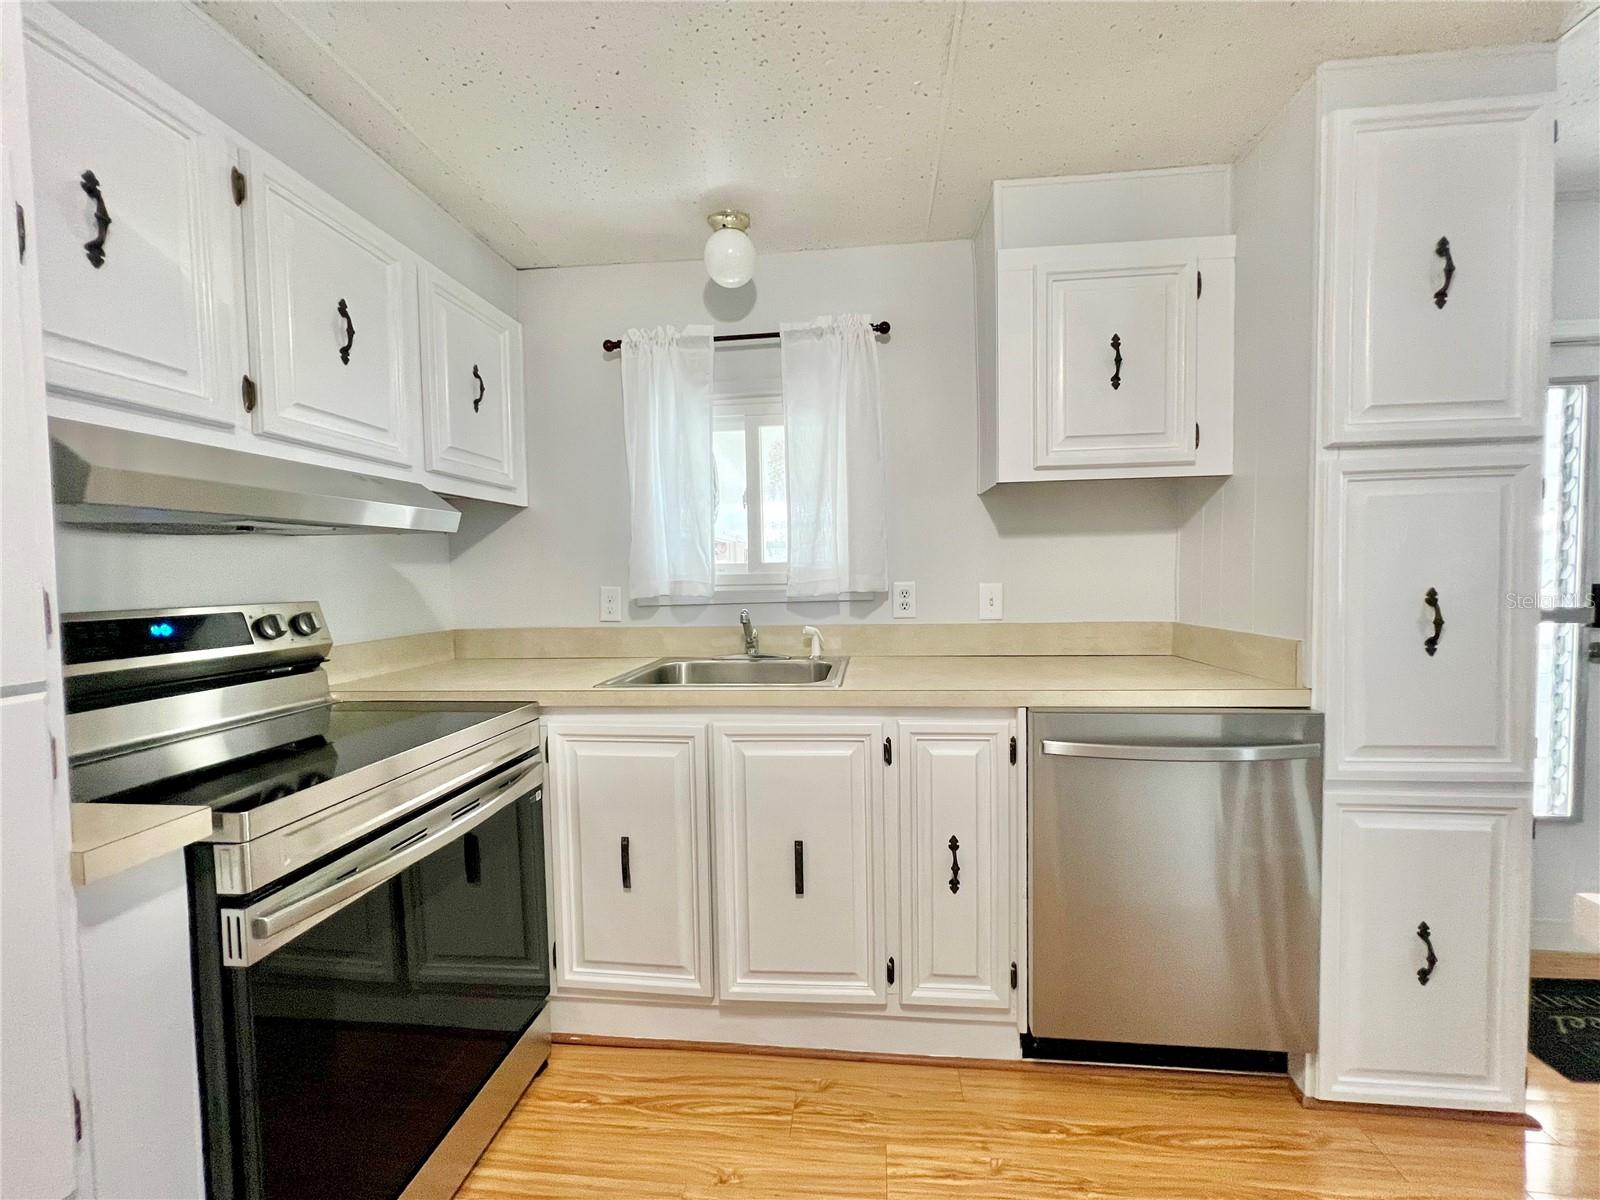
[(1564, 1026)]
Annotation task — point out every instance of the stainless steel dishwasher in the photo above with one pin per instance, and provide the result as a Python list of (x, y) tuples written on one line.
[(1175, 886)]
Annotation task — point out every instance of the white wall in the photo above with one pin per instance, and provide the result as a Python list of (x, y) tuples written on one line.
[(1244, 555), (370, 587), (1566, 855), (1064, 551)]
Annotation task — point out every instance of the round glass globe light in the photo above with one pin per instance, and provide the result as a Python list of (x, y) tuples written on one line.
[(730, 257)]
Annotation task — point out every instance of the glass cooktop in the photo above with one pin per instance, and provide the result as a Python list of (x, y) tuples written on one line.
[(244, 767)]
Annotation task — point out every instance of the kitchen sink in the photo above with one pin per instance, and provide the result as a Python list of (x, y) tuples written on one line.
[(734, 671)]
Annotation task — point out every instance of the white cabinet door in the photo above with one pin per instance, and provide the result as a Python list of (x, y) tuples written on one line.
[(1420, 537), (1116, 366), (471, 386), (1413, 192), (335, 319), (956, 798), (799, 861), (628, 819), (1458, 1039), (142, 312)]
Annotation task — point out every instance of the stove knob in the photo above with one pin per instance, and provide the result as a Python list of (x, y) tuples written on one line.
[(304, 623), (269, 628)]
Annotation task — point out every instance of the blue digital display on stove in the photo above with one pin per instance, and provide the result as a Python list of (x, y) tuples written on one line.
[(161, 629), (89, 639)]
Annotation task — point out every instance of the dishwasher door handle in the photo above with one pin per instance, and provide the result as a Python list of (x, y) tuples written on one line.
[(1223, 753)]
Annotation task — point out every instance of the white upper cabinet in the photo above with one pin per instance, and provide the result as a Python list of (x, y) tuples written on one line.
[(136, 232), (956, 801), (471, 387), (1105, 356), (1425, 976), (799, 852), (630, 855), (336, 322), (1437, 222), (1431, 625)]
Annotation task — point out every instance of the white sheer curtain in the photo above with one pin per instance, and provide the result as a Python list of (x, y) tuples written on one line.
[(834, 438), (666, 405)]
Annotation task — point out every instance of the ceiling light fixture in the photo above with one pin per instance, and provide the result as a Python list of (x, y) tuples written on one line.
[(730, 254)]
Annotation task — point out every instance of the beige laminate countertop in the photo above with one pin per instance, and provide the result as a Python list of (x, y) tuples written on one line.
[(108, 839), (1009, 681)]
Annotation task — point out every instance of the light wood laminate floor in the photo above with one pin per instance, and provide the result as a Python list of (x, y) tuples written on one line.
[(659, 1124)]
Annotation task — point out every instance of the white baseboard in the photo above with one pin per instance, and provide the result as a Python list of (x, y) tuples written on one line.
[(771, 1025)]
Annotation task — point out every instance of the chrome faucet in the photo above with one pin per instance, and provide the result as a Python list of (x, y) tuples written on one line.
[(752, 636)]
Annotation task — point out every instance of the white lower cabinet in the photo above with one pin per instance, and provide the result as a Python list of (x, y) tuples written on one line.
[(800, 866), (833, 868), (957, 796), (628, 809), (1424, 996)]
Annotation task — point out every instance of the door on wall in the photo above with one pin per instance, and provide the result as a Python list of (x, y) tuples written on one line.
[(1567, 765)]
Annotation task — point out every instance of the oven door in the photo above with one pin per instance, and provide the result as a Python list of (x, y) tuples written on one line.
[(368, 1003)]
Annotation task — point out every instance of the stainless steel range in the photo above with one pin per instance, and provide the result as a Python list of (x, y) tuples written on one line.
[(369, 911)]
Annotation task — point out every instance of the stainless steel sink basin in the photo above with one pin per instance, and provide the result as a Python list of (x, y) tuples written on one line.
[(733, 672)]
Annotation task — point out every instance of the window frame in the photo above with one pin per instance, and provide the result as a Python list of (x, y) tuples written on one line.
[(756, 580)]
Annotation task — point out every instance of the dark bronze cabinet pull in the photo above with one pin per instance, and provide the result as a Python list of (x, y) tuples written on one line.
[(479, 378), (1424, 973), (1430, 645), (1443, 251), (95, 247), (955, 866), (349, 333), (799, 868), (627, 870), (1116, 349)]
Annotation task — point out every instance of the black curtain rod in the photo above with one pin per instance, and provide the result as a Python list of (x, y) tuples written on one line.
[(610, 344)]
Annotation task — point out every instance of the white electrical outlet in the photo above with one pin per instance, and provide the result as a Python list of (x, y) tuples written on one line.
[(989, 602), (611, 604), (903, 601)]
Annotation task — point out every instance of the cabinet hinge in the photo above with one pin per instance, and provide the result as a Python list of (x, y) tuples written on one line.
[(891, 968), (1013, 751), (888, 752), (552, 956), (1199, 284), (22, 234), (77, 1118), (49, 620), (1013, 977), (236, 177), (1197, 435), (247, 390), (1556, 131), (55, 759)]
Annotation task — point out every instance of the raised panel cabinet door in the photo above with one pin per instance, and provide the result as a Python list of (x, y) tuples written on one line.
[(629, 819), (136, 232), (1425, 991), (471, 386), (336, 322), (1430, 634), (799, 861), (1118, 354), (1438, 226), (956, 797)]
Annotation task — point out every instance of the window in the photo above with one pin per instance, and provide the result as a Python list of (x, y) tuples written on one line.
[(752, 513), (1562, 644)]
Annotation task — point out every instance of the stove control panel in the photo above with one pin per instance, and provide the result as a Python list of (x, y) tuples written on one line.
[(91, 641)]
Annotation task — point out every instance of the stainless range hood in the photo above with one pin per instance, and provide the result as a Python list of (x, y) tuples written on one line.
[(138, 483)]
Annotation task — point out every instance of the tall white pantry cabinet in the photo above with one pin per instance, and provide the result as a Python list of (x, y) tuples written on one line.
[(1433, 227)]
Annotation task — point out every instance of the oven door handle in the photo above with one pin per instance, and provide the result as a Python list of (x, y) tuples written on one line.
[(1223, 753), (250, 934)]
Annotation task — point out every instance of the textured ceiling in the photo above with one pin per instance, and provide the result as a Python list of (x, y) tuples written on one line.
[(1578, 108), (570, 133)]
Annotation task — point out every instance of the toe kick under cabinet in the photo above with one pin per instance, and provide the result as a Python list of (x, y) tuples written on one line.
[(782, 864), (195, 287)]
